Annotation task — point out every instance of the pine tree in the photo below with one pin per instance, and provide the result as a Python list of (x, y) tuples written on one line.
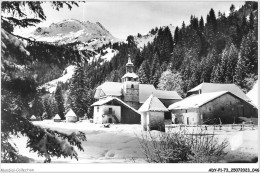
[(155, 71), (240, 72), (78, 92), (176, 36), (164, 44), (60, 101), (201, 24), (47, 108), (247, 62), (231, 64), (37, 106), (143, 73)]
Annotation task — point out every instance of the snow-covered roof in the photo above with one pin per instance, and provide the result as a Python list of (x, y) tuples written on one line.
[(132, 75), (152, 104), (33, 117), (145, 90), (167, 95), (70, 113), (196, 100), (253, 94), (111, 88), (215, 87), (109, 99), (57, 117), (129, 63)]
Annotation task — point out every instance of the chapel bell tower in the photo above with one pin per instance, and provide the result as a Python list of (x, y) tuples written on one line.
[(130, 85)]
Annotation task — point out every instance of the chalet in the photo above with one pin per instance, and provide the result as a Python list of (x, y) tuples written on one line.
[(210, 108), (71, 116), (114, 110), (123, 99), (152, 114), (33, 118), (57, 118)]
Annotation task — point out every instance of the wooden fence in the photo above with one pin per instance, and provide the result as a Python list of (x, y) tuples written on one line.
[(216, 127)]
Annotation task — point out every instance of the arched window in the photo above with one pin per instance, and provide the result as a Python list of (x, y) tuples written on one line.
[(132, 86)]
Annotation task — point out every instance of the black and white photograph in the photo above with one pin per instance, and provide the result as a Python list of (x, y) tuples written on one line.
[(149, 85)]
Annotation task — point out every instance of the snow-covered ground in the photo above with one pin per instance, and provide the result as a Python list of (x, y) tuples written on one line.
[(144, 40), (119, 143), (109, 54)]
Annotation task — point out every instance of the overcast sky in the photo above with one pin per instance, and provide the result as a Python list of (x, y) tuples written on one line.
[(129, 18)]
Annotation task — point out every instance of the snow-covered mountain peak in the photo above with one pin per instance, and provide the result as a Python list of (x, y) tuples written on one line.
[(71, 31)]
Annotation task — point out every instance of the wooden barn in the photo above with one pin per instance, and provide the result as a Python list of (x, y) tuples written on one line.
[(211, 108), (152, 114), (114, 110)]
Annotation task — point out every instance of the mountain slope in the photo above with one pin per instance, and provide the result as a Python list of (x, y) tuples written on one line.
[(141, 41), (85, 35)]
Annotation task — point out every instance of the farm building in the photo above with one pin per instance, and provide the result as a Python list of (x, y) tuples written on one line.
[(208, 108), (216, 87), (71, 116), (57, 118), (253, 94), (131, 92), (152, 114), (114, 110)]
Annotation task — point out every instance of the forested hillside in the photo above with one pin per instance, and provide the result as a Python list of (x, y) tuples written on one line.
[(221, 48)]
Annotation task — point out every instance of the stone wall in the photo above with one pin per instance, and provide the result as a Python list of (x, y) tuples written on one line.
[(228, 108)]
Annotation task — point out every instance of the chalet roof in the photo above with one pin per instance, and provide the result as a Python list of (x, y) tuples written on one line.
[(196, 100), (132, 75), (33, 117), (253, 94), (70, 113), (215, 87), (111, 88), (152, 104), (145, 90), (57, 117), (167, 95), (109, 99)]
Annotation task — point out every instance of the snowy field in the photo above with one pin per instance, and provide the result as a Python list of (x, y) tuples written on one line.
[(119, 143)]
